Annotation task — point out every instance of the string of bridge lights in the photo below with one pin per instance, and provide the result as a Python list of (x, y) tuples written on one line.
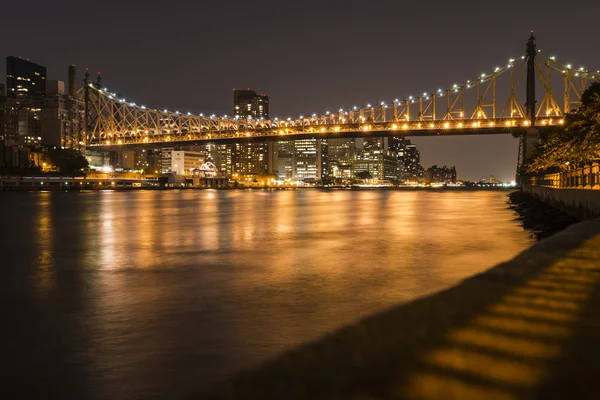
[(563, 68)]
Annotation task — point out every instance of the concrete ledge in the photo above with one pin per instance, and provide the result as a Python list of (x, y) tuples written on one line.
[(526, 329), (579, 203)]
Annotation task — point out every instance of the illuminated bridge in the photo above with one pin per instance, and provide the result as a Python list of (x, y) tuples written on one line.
[(490, 103)]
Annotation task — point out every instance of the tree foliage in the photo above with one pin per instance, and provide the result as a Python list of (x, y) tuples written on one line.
[(575, 143), (68, 161)]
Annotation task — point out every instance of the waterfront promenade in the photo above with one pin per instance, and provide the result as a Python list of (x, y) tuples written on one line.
[(526, 329)]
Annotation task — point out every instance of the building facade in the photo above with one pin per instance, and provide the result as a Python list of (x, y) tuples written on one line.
[(181, 162), (62, 117), (249, 104), (342, 156), (251, 158), (310, 160), (24, 78)]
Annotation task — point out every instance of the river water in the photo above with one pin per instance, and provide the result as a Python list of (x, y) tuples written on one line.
[(160, 294)]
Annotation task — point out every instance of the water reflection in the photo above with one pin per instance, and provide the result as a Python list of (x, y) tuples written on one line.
[(178, 289)]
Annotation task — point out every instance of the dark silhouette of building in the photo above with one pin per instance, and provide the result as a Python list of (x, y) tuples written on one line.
[(248, 104), (409, 159), (443, 174), (9, 128), (24, 78)]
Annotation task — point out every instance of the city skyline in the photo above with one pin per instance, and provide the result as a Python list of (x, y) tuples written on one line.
[(347, 55)]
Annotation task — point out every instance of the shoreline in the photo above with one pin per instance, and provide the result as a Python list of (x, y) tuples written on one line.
[(129, 189)]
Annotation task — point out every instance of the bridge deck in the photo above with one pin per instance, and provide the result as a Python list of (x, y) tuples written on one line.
[(271, 136)]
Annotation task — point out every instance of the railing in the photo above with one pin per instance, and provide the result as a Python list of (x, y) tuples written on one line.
[(587, 177)]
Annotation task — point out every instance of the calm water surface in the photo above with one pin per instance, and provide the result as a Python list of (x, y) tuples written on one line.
[(121, 295)]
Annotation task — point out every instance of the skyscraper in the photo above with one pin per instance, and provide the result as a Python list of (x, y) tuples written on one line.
[(248, 104), (24, 78), (26, 84), (377, 159)]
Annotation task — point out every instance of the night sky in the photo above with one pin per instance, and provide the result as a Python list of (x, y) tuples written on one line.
[(308, 56)]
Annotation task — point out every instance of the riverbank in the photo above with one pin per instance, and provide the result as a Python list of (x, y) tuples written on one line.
[(540, 218), (525, 329)]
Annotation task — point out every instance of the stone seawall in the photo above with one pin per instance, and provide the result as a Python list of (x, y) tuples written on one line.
[(579, 203)]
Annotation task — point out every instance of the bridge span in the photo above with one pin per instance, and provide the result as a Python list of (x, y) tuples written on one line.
[(491, 103)]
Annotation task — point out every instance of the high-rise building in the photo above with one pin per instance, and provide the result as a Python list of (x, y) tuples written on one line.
[(376, 159), (409, 159), (310, 160), (249, 104), (251, 158), (342, 153), (221, 156), (9, 129), (24, 78), (26, 85)]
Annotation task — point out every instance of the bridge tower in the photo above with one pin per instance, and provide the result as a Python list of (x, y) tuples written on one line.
[(528, 141)]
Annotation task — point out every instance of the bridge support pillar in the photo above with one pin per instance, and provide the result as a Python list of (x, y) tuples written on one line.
[(530, 141)]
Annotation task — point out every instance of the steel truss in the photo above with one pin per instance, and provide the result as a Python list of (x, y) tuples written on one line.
[(491, 100)]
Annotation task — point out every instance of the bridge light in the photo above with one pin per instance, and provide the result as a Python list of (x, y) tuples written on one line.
[(166, 110), (276, 119), (507, 123), (202, 115), (341, 110), (394, 127), (568, 66), (460, 124), (301, 117), (322, 129), (189, 113), (405, 126), (368, 106), (447, 125), (432, 125), (354, 108), (396, 100), (553, 58), (492, 123), (176, 112), (336, 128), (511, 60), (382, 103), (143, 107), (562, 121), (327, 113)]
